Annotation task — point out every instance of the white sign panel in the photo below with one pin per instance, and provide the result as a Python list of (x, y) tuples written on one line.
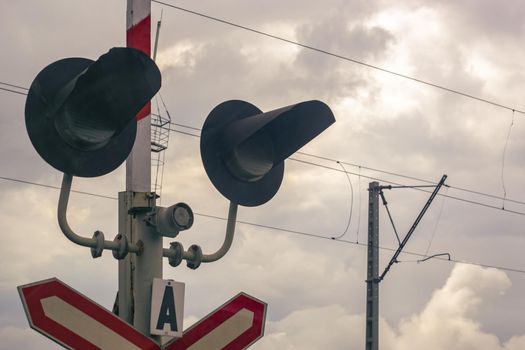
[(167, 308), (75, 322)]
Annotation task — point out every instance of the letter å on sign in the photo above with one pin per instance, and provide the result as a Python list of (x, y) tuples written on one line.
[(167, 308)]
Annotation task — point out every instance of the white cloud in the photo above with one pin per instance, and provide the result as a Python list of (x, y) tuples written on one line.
[(329, 327), (446, 322), (183, 56), (383, 122)]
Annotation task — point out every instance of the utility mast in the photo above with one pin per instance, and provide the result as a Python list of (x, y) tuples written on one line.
[(373, 278), (372, 288)]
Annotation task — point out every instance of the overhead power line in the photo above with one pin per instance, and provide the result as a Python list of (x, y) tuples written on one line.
[(8, 89), (505, 199), (325, 52), (502, 198), (363, 167), (13, 91), (13, 85), (341, 57), (351, 205), (414, 188), (375, 178), (54, 187), (503, 160), (338, 161), (285, 230), (414, 178)]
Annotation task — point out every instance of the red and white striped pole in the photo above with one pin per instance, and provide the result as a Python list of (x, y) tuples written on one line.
[(138, 36), (136, 272)]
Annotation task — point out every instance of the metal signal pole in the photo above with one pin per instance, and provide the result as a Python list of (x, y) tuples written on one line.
[(138, 36), (137, 271)]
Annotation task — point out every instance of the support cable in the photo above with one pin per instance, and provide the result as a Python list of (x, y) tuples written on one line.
[(385, 203), (338, 56), (412, 178), (13, 91), (289, 231), (437, 223), (360, 207), (415, 188), (507, 200), (14, 86), (503, 161), (412, 229), (351, 204), (462, 189)]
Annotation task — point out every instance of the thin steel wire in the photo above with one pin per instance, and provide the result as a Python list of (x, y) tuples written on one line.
[(15, 86), (351, 204), (13, 91), (508, 200), (437, 222), (297, 232), (503, 158), (341, 57)]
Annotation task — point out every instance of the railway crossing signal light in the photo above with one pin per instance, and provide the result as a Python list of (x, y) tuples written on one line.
[(81, 118), (80, 113), (243, 149)]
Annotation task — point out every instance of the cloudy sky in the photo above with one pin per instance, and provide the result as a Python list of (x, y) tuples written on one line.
[(314, 286)]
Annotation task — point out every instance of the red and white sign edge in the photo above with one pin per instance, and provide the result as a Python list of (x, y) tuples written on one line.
[(55, 291), (237, 308), (240, 304)]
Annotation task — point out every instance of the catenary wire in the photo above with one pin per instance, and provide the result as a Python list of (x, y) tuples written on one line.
[(312, 235), (330, 54), (503, 160), (414, 188), (399, 184), (344, 58), (514, 110), (462, 189), (54, 187), (349, 221), (386, 181), (437, 222), (276, 228), (368, 168), (15, 86), (505, 199), (360, 206), (13, 91)]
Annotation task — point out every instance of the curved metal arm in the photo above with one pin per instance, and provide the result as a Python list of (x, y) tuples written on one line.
[(230, 231), (70, 234), (190, 255)]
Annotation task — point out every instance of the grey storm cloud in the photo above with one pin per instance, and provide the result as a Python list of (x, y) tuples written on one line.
[(315, 287)]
